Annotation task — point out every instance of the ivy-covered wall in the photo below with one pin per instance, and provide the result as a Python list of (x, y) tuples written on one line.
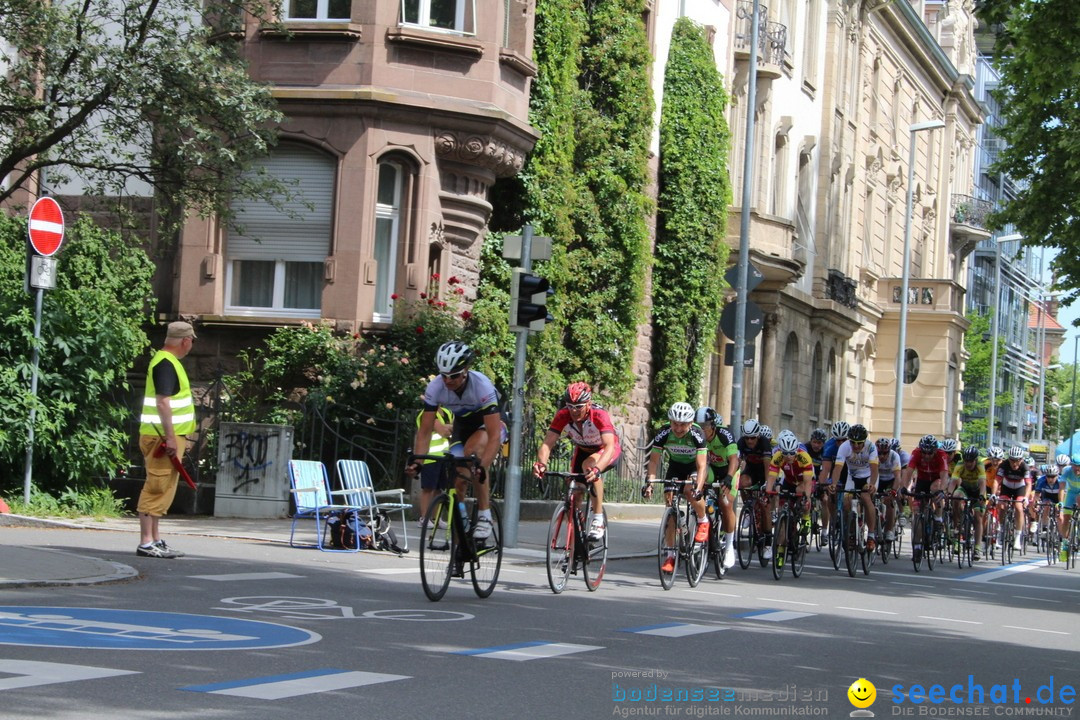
[(694, 195), (585, 185)]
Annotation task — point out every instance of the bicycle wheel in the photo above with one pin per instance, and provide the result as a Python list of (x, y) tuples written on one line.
[(1074, 538), (744, 537), (779, 544), (866, 558), (488, 560), (835, 551), (815, 523), (898, 535), (560, 549), (667, 550), (930, 540), (1053, 543), (850, 543), (438, 548), (1007, 536), (948, 538), (716, 547), (595, 552), (800, 544), (965, 539), (917, 542), (696, 552), (990, 532)]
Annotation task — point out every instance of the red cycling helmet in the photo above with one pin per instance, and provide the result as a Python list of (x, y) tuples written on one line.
[(577, 393)]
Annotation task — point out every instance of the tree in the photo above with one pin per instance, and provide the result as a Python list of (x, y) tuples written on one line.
[(115, 91), (1039, 100), (92, 333), (980, 349)]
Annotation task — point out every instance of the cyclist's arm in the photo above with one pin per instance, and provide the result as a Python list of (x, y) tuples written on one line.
[(607, 451), (733, 461), (702, 469), (872, 482), (826, 471), (543, 453), (838, 465)]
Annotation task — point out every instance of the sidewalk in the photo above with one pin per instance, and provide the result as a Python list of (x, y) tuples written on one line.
[(634, 536)]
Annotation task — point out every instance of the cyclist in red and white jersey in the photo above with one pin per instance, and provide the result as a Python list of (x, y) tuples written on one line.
[(1013, 481), (596, 445), (930, 467)]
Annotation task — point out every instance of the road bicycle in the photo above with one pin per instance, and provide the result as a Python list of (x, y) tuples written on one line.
[(991, 528), (1072, 537), (447, 545), (1049, 534), (924, 536), (853, 530), (568, 543), (881, 506), (1008, 529), (750, 535), (790, 537), (717, 536), (817, 508), (676, 538), (965, 531)]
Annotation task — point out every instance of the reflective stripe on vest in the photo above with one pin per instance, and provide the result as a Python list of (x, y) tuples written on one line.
[(438, 446), (183, 407)]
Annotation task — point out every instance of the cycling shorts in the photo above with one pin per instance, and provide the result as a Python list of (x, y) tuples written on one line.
[(972, 494), (679, 471), (1010, 492), (582, 453), (718, 474), (854, 483)]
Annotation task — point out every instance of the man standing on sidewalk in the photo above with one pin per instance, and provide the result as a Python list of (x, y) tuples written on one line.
[(168, 417)]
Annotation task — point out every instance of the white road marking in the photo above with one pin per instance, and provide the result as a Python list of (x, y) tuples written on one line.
[(30, 673), (246, 576)]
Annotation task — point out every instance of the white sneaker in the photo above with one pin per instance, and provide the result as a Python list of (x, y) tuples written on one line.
[(1016, 543), (889, 536), (768, 552), (729, 558), (596, 528), (483, 528)]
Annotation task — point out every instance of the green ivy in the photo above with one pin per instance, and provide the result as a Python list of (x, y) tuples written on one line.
[(691, 252), (585, 186)]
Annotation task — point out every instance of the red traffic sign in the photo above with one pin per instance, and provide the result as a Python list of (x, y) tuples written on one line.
[(46, 226)]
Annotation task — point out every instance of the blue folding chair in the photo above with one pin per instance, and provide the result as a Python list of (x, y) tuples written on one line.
[(311, 492), (358, 491)]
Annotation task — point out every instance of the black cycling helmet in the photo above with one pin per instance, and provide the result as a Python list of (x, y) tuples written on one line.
[(857, 433), (928, 443), (971, 453), (819, 434), (883, 444)]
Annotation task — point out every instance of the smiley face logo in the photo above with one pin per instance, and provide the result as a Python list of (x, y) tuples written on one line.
[(862, 693)]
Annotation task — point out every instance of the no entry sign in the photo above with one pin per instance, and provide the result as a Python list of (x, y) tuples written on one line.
[(46, 226)]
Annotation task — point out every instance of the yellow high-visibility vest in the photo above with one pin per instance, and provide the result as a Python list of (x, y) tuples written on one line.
[(183, 406)]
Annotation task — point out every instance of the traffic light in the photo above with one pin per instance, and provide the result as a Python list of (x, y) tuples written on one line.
[(528, 301)]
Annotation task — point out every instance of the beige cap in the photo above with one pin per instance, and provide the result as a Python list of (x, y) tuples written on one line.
[(180, 329)]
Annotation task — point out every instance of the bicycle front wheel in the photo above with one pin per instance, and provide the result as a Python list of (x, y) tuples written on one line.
[(779, 545), (667, 547), (800, 544), (851, 547), (918, 542), (835, 550), (438, 548), (744, 537), (560, 549), (929, 540), (696, 552), (1053, 543), (595, 557), (488, 559)]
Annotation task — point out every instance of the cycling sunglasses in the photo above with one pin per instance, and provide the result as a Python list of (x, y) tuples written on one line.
[(577, 406), (454, 376)]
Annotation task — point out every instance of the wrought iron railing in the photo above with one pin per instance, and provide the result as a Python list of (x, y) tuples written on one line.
[(841, 288), (967, 210), (772, 36)]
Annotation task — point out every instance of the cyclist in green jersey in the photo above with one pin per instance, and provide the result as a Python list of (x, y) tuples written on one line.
[(969, 480), (684, 445), (723, 456)]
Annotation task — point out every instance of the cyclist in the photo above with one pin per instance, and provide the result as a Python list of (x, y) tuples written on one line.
[(478, 426), (952, 451), (1048, 490), (684, 445), (815, 448), (1062, 461), (754, 452), (905, 456), (1014, 479), (839, 432), (994, 457), (969, 479), (596, 445), (861, 460), (888, 473), (766, 433), (929, 468), (793, 467), (723, 456), (1071, 478)]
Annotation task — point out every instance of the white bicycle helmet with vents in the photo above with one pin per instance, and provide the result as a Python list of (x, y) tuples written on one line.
[(681, 412), (453, 356)]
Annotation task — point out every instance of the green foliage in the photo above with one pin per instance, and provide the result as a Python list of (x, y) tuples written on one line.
[(91, 334), (97, 502), (488, 325), (585, 186), (980, 350), (87, 85), (691, 252), (1039, 98)]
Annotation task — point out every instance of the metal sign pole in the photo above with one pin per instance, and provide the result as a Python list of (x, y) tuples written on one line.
[(33, 394)]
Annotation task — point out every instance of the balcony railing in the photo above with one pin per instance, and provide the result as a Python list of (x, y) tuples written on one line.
[(967, 210), (772, 36), (841, 288)]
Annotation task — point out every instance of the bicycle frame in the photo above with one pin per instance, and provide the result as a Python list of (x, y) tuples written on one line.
[(568, 545)]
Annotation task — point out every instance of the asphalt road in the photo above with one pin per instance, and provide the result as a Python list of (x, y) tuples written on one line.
[(270, 632)]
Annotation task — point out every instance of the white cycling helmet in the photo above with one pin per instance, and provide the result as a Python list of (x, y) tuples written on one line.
[(453, 356), (995, 453), (840, 429), (787, 443), (681, 412), (751, 428), (708, 416), (1062, 459), (1016, 453), (766, 432), (948, 445)]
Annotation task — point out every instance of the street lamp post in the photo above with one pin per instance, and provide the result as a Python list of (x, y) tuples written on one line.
[(1072, 410), (902, 334), (995, 322)]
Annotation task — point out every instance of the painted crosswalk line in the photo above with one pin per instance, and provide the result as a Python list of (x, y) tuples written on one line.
[(674, 629), (276, 687), (227, 577), (529, 650), (29, 673), (774, 615)]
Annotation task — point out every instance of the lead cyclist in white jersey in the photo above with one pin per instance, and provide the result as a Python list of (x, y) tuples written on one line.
[(478, 427)]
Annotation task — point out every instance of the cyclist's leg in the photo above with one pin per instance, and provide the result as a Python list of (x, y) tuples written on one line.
[(869, 511), (475, 444), (977, 514)]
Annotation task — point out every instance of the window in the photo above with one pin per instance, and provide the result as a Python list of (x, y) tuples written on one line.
[(816, 383), (275, 260), (457, 16), (791, 371), (319, 10), (911, 366), (387, 237)]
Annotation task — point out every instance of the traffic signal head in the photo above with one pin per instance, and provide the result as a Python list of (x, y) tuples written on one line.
[(528, 301)]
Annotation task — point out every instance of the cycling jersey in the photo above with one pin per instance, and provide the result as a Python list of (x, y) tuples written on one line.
[(1048, 491), (1011, 477), (720, 449), (588, 433), (815, 457), (791, 469), (1071, 482), (990, 468), (888, 468), (755, 458), (858, 462), (969, 478), (928, 467), (682, 450), (832, 446)]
